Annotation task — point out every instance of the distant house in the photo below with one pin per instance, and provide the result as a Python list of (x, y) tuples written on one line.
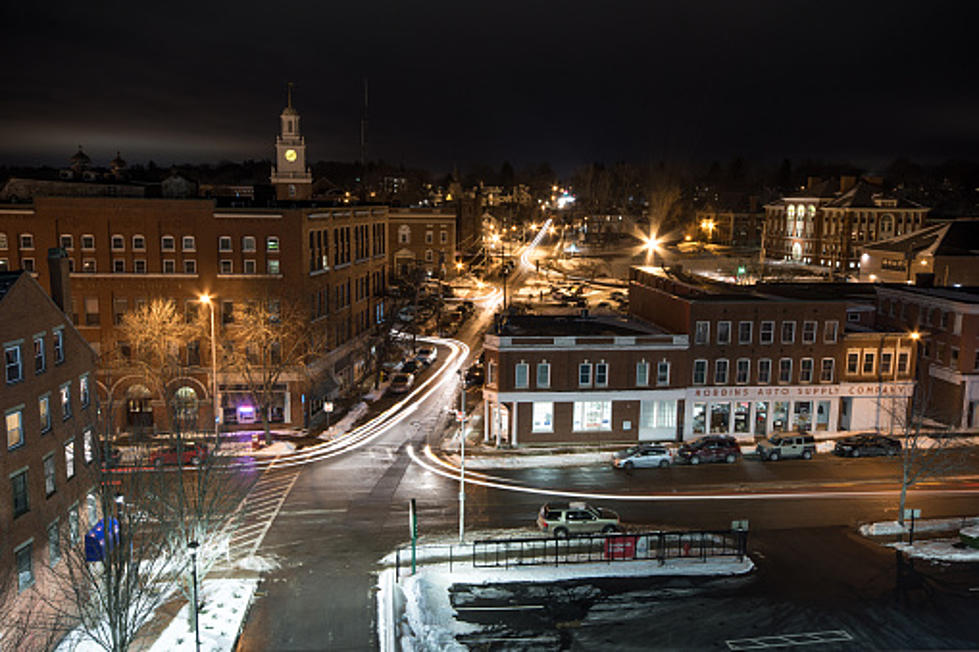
[(948, 252)]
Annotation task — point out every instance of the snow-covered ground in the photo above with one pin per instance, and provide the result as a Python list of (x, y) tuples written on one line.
[(225, 603), (948, 549), (276, 448)]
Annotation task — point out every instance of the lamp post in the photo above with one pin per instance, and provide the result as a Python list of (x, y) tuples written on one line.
[(193, 546), (462, 454), (207, 299)]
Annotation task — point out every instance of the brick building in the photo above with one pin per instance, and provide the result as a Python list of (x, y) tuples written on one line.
[(424, 238), (698, 358), (49, 409), (825, 223), (945, 251), (124, 252), (947, 321)]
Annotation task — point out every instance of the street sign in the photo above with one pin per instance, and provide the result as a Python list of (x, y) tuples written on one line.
[(460, 416), (912, 513), (328, 406), (739, 525)]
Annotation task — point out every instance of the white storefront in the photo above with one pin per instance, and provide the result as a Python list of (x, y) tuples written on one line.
[(763, 410)]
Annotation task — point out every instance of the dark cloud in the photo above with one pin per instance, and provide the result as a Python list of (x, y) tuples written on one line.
[(456, 82)]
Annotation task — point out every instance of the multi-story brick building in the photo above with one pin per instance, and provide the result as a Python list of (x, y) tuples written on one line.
[(47, 396), (423, 238), (745, 361), (826, 223), (124, 252), (947, 322)]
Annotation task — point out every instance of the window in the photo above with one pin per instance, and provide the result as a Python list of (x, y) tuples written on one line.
[(853, 316), (272, 243), (3, 240), (642, 373), (520, 376), (663, 373), (83, 390), (227, 267), (272, 266), (168, 243), (118, 266), (808, 332), (59, 346), (543, 417), (699, 372), (592, 415), (14, 420), (852, 362), (805, 370), (543, 374), (67, 242), (26, 240), (118, 243), (15, 370), (902, 362), (491, 372), (91, 311), (657, 414), (190, 266), (767, 335), (830, 331), (89, 266), (54, 543), (250, 266), (88, 242), (723, 332), (188, 243), (40, 359), (92, 507), (785, 370), (826, 372), (720, 372), (88, 446), (169, 266), (65, 393), (139, 243), (18, 483), (886, 359), (953, 360), (44, 412), (23, 556), (428, 237), (248, 243), (69, 459), (49, 485), (744, 332), (73, 524), (584, 374), (868, 362), (788, 332), (429, 257), (224, 243), (444, 237), (404, 234), (27, 264), (601, 374), (702, 334), (139, 265), (743, 371)]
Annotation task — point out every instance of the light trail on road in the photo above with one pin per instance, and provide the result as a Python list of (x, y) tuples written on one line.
[(433, 464)]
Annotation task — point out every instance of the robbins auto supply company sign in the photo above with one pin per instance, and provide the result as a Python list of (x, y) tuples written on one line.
[(802, 391)]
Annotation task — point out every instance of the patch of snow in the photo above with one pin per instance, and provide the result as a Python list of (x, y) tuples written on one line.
[(430, 624), (972, 531), (346, 423), (938, 550), (225, 604), (276, 448), (885, 528), (258, 563)]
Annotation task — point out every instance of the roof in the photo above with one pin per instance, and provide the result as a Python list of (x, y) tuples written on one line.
[(569, 325), (7, 280), (955, 238), (699, 288), (864, 194), (962, 295)]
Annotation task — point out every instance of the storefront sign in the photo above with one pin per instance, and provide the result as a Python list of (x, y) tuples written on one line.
[(792, 391)]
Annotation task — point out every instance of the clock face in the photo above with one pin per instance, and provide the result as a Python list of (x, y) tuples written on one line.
[(290, 155)]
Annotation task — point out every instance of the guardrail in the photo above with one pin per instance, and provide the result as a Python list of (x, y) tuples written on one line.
[(629, 546)]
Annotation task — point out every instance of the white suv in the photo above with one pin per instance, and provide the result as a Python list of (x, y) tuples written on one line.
[(562, 519)]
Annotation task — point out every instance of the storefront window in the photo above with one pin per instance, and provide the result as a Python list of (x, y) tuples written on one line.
[(761, 417), (699, 418), (802, 416), (742, 416), (543, 417), (592, 415), (780, 416), (658, 414), (822, 415), (720, 417)]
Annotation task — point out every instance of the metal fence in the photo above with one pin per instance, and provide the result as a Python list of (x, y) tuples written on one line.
[(609, 548)]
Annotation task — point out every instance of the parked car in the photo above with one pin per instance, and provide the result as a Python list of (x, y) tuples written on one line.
[(427, 355), (711, 448), (179, 454), (411, 366), (782, 446), (642, 456), (867, 445), (618, 296), (401, 383), (562, 519), (475, 376)]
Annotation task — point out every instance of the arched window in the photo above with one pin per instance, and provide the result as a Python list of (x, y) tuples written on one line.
[(404, 234), (185, 409), (886, 225)]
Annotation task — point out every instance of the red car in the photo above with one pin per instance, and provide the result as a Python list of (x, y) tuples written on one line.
[(712, 448), (183, 455)]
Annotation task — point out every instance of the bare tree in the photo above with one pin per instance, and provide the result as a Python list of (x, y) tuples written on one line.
[(269, 340)]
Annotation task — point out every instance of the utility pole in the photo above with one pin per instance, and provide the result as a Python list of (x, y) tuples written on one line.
[(462, 463)]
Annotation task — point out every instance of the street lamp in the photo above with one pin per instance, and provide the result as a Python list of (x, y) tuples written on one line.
[(193, 546), (207, 299)]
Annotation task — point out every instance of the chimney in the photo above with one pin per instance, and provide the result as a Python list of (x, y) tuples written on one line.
[(58, 271), (847, 182)]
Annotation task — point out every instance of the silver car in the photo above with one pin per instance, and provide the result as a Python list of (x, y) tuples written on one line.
[(643, 456)]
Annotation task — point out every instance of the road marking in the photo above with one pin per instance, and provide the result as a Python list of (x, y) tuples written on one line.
[(789, 640), (516, 607)]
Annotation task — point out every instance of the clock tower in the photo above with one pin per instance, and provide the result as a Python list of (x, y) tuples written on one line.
[(290, 176)]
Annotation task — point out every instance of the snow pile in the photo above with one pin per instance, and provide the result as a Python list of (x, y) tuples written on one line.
[(276, 448), (939, 550), (429, 619), (225, 604), (972, 531), (258, 563), (885, 528), (346, 423), (536, 461)]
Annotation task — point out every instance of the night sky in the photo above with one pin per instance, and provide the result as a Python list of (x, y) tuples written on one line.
[(463, 82)]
